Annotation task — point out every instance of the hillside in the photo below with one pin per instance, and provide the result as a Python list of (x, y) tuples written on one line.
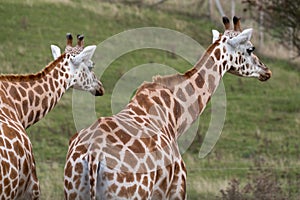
[(261, 129)]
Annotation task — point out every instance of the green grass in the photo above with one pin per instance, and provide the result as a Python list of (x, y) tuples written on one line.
[(262, 119)]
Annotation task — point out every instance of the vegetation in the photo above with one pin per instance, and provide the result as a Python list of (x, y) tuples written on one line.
[(280, 16), (260, 138)]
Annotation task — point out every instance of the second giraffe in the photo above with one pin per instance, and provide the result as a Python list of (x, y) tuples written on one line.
[(134, 154)]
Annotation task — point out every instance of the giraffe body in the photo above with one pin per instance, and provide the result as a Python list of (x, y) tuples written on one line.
[(134, 154), (24, 100), (16, 155), (150, 155)]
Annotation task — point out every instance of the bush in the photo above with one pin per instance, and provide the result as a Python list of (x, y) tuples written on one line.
[(262, 184)]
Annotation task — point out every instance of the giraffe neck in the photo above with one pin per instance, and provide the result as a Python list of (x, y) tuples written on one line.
[(33, 96), (203, 80), (192, 91)]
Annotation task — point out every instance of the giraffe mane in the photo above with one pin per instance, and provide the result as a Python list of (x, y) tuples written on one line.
[(168, 81), (38, 75), (161, 81)]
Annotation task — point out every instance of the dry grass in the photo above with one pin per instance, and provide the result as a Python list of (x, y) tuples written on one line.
[(49, 176), (207, 186)]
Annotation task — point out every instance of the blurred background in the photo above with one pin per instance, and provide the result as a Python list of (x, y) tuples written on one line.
[(258, 153)]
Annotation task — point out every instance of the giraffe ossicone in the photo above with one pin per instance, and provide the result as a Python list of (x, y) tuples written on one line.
[(134, 154), (24, 100)]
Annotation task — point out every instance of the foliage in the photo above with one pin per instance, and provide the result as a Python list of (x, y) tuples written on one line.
[(263, 183), (281, 19)]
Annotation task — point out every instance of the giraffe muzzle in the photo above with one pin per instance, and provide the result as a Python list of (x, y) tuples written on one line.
[(265, 76), (100, 91)]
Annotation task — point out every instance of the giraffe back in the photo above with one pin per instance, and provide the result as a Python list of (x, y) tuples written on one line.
[(129, 155)]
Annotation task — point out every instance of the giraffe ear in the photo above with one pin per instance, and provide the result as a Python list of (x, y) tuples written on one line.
[(55, 51), (85, 56), (216, 35), (241, 38)]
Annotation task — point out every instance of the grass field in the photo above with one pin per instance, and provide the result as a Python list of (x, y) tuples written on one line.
[(261, 130)]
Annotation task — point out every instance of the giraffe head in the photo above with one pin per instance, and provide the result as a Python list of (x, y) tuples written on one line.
[(238, 51), (81, 75)]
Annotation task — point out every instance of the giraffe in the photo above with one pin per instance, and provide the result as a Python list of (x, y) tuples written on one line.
[(134, 154), (24, 100)]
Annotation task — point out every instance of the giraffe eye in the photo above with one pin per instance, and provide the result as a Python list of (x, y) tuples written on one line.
[(90, 65), (250, 50)]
